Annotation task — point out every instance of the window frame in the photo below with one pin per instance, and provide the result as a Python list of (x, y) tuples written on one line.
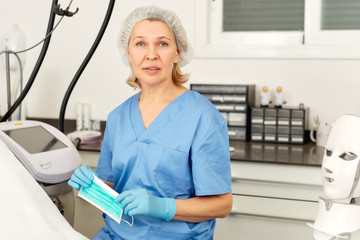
[(248, 38), (313, 43), (315, 36)]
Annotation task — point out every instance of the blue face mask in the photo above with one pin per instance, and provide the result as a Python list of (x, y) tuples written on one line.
[(103, 197)]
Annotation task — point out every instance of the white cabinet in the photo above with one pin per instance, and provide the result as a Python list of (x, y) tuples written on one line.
[(271, 201), (87, 218), (239, 227)]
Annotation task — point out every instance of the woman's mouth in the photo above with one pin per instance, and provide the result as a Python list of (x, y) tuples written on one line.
[(151, 70)]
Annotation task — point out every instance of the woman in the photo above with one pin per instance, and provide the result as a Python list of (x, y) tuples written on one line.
[(165, 149)]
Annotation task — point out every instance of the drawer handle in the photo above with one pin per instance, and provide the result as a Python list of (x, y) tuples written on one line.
[(238, 213), (239, 179)]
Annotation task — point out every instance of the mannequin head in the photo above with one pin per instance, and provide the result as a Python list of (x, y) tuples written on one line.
[(340, 166)]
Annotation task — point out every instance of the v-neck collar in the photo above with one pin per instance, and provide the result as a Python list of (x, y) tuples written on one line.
[(142, 133)]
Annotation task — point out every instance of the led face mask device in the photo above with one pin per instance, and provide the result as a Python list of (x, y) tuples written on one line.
[(338, 214), (103, 197), (340, 166)]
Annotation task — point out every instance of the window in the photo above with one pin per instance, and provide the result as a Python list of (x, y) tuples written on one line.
[(334, 22), (260, 15), (258, 21), (278, 28)]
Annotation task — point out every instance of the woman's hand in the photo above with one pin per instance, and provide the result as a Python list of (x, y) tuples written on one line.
[(82, 177), (140, 201)]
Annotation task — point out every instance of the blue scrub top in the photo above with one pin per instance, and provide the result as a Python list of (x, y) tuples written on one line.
[(182, 154)]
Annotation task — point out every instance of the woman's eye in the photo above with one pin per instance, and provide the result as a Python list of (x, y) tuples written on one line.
[(348, 156), (140, 44), (163, 44)]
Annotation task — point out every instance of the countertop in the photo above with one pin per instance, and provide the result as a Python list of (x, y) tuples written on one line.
[(305, 154), (296, 154)]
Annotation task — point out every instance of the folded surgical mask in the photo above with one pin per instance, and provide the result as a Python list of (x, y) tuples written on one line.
[(103, 197)]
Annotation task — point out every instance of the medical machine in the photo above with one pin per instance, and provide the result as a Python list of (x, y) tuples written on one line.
[(339, 214), (46, 152)]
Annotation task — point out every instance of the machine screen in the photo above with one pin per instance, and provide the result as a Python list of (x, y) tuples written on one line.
[(35, 139)]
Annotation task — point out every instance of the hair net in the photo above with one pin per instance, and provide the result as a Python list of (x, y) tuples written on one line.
[(164, 15)]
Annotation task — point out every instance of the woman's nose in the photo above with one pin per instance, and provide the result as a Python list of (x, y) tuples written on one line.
[(151, 57), (151, 54)]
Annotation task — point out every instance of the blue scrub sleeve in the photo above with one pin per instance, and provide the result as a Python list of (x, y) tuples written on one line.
[(104, 168), (211, 161)]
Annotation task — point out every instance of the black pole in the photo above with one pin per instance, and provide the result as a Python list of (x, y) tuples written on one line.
[(83, 65)]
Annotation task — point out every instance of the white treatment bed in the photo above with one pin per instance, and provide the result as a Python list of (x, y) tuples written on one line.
[(26, 211)]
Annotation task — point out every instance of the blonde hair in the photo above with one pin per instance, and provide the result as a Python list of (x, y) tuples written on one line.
[(178, 77)]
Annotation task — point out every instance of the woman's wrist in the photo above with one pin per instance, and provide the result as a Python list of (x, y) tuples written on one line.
[(169, 208)]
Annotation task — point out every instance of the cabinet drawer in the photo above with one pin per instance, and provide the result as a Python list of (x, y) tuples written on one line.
[(276, 190), (269, 172), (237, 119), (238, 227), (237, 133), (298, 210)]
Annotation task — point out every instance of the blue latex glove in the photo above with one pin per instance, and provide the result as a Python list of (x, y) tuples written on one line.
[(140, 201), (82, 177)]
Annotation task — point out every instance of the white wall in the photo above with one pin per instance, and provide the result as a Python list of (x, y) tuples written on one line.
[(329, 88)]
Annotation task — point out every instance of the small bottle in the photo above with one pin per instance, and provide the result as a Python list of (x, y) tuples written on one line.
[(86, 116), (79, 117)]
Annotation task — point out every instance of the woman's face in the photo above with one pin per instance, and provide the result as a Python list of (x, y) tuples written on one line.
[(152, 52)]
